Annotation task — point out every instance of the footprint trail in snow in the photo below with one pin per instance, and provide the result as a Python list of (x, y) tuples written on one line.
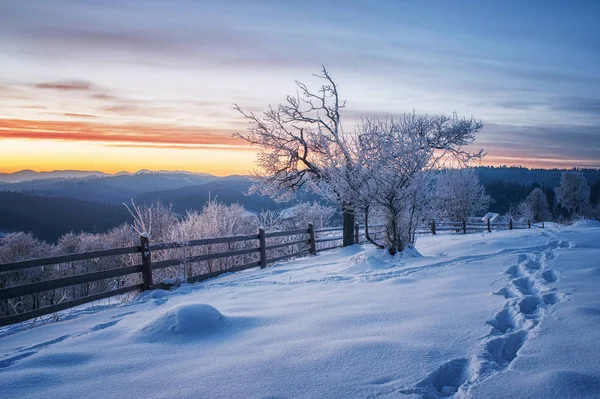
[(528, 295)]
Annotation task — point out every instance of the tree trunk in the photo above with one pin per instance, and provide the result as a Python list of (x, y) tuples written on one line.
[(347, 225), (395, 241), (367, 235)]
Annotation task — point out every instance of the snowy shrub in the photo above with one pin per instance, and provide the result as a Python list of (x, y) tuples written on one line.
[(155, 219), (268, 220), (118, 237), (215, 220), (16, 247)]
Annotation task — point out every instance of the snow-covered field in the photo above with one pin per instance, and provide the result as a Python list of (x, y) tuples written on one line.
[(511, 314)]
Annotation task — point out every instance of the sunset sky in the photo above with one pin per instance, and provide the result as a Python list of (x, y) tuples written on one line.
[(116, 85)]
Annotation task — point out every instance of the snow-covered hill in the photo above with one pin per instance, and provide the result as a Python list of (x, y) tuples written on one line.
[(511, 314)]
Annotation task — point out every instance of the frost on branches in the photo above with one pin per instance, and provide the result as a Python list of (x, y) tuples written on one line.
[(573, 194), (383, 165), (299, 140), (459, 195), (535, 207)]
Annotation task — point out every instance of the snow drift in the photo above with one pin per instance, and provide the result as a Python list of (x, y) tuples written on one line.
[(507, 314), (183, 322)]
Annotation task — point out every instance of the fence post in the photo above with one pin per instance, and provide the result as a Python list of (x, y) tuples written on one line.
[(542, 225), (433, 226), (510, 226), (146, 262), (464, 226), (356, 234), (528, 224), (489, 225), (311, 240), (262, 246)]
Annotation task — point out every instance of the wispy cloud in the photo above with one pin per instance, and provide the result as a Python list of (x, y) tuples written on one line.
[(133, 134), (563, 144), (73, 115), (132, 108), (578, 104), (103, 96), (73, 85), (33, 107), (531, 75)]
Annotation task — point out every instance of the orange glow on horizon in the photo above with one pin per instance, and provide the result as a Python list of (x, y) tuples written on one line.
[(82, 145), (113, 148), (47, 155)]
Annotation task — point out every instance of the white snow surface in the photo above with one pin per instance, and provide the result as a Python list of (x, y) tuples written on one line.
[(511, 314)]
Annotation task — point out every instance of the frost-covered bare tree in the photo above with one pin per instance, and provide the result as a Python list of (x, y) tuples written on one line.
[(573, 194), (535, 207), (396, 158), (459, 194), (300, 140)]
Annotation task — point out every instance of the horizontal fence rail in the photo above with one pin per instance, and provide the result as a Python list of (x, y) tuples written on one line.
[(42, 286), (204, 241), (67, 258), (299, 242)]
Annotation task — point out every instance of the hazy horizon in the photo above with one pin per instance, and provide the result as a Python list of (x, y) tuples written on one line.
[(243, 174)]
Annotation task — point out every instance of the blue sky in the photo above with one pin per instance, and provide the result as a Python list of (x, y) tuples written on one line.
[(528, 69)]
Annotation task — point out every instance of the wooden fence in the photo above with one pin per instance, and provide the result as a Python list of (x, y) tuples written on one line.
[(462, 227), (307, 239)]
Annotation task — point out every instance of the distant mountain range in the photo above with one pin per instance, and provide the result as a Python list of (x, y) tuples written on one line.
[(26, 175), (108, 188), (51, 207), (57, 202)]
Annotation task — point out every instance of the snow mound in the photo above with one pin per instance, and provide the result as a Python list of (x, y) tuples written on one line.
[(378, 259), (411, 252), (586, 223), (186, 321)]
